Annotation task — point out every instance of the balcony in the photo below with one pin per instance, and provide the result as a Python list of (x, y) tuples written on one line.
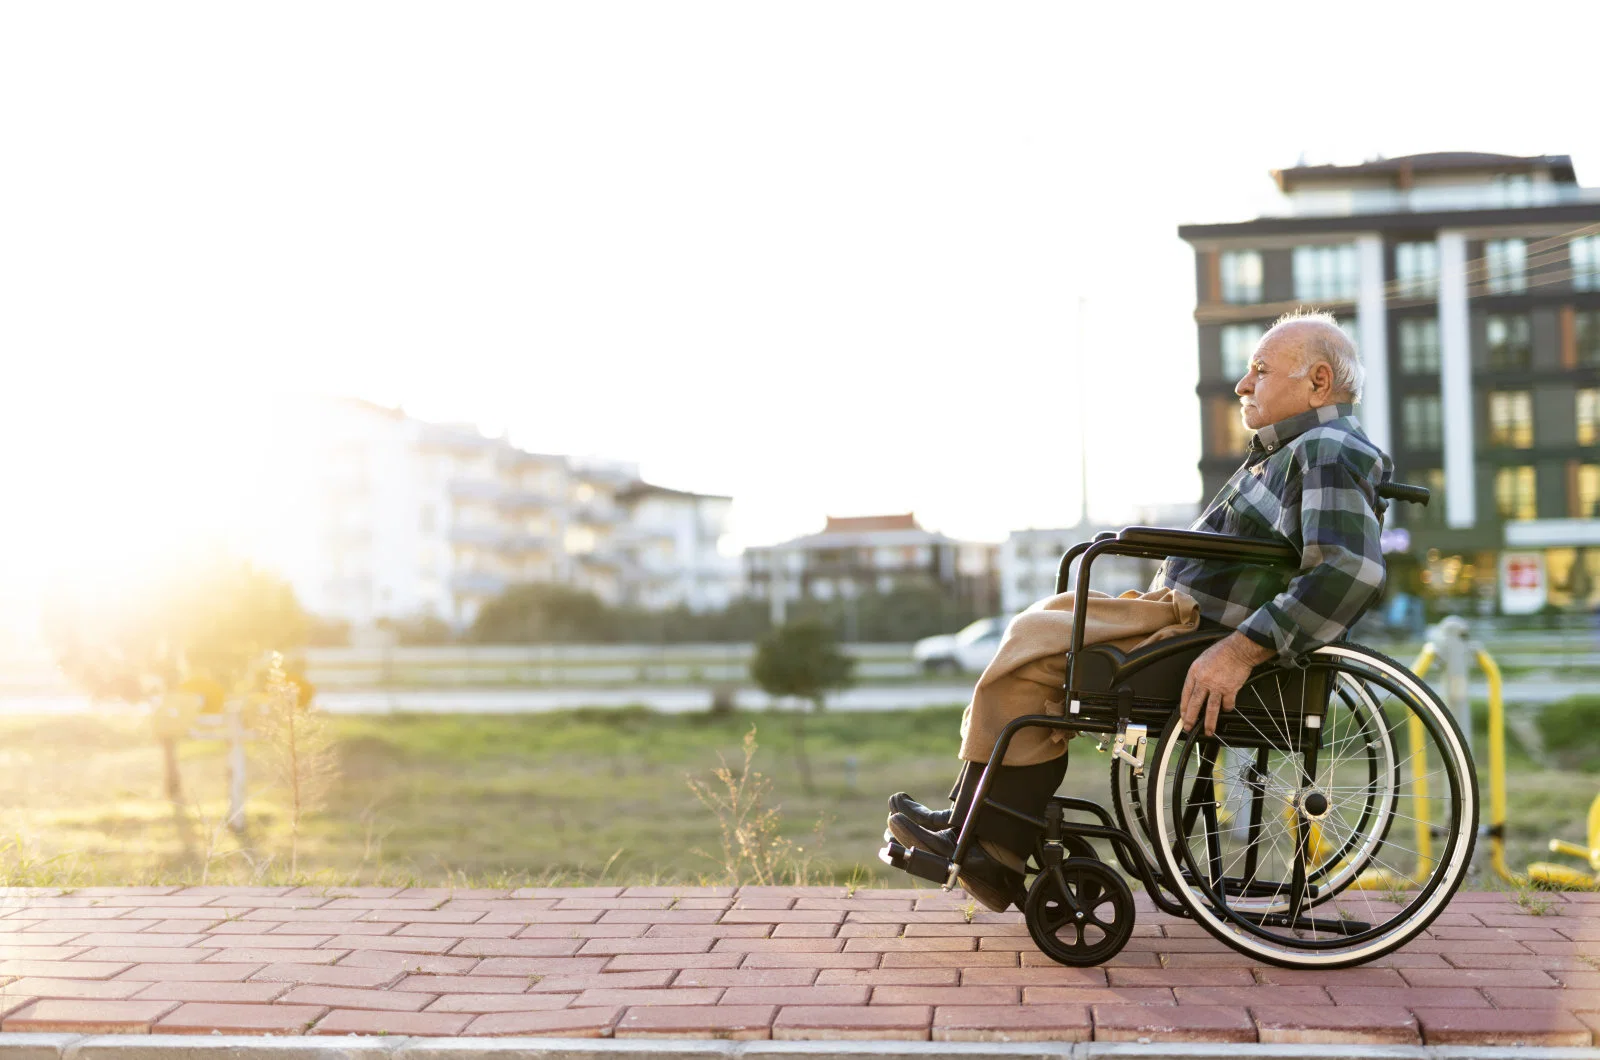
[(475, 489), (593, 515), (1351, 202), (528, 543), (521, 500), (478, 536)]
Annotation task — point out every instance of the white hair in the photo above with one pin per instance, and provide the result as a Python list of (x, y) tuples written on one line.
[(1327, 343)]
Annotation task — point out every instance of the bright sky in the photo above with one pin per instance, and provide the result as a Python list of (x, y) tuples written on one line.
[(825, 257)]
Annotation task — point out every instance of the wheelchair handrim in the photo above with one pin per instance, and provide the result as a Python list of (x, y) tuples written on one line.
[(1253, 940)]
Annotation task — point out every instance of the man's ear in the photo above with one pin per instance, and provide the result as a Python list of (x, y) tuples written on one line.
[(1321, 377)]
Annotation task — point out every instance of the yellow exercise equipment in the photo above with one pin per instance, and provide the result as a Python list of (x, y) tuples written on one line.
[(1549, 874)]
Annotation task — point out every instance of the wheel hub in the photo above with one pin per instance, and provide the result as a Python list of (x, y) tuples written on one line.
[(1313, 804)]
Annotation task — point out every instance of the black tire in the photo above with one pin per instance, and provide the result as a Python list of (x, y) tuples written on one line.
[(1080, 912), (1254, 887)]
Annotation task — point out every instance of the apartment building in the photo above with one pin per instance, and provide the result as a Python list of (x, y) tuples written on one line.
[(1471, 283), (419, 519), (854, 556), (669, 545)]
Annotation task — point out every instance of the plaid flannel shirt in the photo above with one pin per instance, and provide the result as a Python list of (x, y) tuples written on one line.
[(1311, 481)]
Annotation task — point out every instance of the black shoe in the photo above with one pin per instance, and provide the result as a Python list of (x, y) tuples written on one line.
[(992, 884), (984, 878), (937, 820), (911, 834)]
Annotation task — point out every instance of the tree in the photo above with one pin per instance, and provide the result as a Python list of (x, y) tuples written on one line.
[(544, 613), (172, 638), (802, 659)]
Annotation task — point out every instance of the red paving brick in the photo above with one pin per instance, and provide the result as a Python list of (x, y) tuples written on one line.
[(203, 1017), (1030, 1023), (1540, 1026), (365, 1021), (564, 1023), (906, 1023), (481, 1003), (226, 993), (96, 1016), (1186, 1023), (344, 997), (1287, 1023), (722, 1021), (105, 989), (780, 962)]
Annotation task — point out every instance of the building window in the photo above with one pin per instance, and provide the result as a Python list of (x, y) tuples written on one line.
[(1241, 276), (1510, 342), (1423, 422), (1586, 329), (1588, 491), (1514, 494), (1506, 265), (1326, 274), (1238, 343), (1585, 253), (1416, 270), (1419, 345), (1511, 419), (1589, 416)]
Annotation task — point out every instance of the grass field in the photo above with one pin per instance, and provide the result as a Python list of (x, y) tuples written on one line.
[(505, 800)]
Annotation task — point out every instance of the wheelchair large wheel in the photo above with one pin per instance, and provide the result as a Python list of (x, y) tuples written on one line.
[(1128, 803), (1328, 820)]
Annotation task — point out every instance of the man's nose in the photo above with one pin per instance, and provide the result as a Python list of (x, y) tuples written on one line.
[(1244, 387)]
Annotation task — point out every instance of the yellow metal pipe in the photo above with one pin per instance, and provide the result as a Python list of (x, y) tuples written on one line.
[(1420, 806), (1497, 770)]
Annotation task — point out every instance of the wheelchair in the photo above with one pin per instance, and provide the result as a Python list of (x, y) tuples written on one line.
[(1325, 823)]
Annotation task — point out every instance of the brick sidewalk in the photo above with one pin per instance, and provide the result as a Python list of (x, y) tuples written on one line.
[(765, 962)]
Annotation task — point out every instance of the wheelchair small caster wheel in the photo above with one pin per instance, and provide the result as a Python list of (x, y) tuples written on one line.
[(1079, 913)]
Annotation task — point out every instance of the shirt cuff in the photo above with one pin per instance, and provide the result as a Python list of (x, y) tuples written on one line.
[(1264, 629)]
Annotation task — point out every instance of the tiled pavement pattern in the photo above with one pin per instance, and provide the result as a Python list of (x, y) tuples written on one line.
[(776, 962)]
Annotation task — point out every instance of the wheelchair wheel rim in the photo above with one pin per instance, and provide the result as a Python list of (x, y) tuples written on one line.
[(1247, 927)]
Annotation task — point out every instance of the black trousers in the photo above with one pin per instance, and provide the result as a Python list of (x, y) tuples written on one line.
[(1023, 788)]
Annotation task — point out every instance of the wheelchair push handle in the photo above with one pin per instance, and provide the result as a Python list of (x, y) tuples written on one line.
[(1399, 491)]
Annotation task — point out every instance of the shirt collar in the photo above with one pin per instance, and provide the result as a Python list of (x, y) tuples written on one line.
[(1274, 435)]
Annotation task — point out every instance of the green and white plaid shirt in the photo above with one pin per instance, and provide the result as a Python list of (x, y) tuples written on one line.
[(1311, 481)]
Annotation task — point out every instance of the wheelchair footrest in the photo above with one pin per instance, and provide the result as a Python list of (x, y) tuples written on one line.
[(919, 863)]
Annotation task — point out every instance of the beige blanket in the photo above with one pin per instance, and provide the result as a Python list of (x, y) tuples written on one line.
[(1029, 672)]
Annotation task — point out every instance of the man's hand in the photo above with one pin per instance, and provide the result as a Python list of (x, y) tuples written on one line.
[(1216, 677)]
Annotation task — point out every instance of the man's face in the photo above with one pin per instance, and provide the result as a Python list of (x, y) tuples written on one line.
[(1267, 393)]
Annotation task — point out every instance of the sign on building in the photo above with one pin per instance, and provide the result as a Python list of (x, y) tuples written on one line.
[(1524, 583)]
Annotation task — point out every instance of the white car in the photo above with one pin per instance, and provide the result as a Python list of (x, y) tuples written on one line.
[(968, 651)]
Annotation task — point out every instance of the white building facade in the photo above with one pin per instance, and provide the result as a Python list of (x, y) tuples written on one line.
[(858, 555), (415, 520)]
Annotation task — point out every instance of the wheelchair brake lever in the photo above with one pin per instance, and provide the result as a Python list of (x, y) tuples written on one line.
[(1136, 737)]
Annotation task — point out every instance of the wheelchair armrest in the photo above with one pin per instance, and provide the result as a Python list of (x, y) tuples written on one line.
[(1064, 568), (1200, 544)]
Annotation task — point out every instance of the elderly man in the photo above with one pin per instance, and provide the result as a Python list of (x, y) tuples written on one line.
[(1310, 479)]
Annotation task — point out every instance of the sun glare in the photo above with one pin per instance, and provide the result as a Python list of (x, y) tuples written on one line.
[(120, 488)]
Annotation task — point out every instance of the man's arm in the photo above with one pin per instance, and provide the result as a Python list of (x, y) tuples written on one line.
[(1341, 566), (1216, 677), (1341, 573)]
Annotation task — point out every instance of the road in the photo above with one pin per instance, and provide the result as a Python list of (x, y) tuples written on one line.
[(1529, 691)]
